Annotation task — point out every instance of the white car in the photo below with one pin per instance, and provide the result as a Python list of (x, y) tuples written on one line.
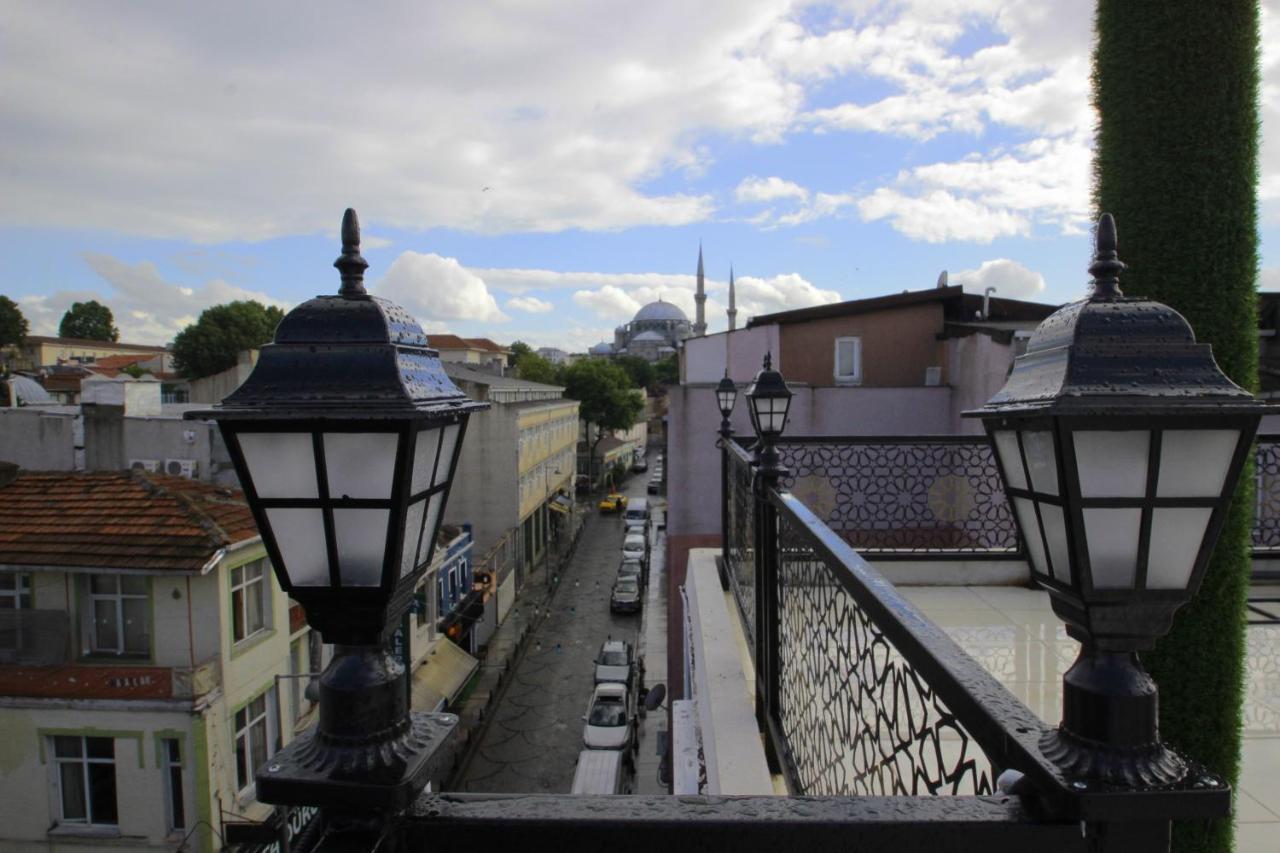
[(609, 721), (634, 547), (615, 662)]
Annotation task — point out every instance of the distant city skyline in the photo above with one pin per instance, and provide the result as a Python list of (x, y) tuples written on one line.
[(539, 174)]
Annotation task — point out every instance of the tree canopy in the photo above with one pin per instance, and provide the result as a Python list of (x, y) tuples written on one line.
[(535, 368), (606, 397), (212, 343), (519, 351), (91, 321), (639, 370), (13, 326), (667, 370)]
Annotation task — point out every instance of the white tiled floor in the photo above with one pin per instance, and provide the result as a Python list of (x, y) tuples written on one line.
[(1016, 636)]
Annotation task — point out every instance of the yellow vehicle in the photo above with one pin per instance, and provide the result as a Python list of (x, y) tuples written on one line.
[(613, 502)]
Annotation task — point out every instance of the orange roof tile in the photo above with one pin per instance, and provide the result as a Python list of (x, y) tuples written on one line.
[(486, 344), (118, 520), (448, 342)]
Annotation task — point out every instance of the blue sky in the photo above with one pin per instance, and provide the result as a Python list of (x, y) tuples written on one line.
[(540, 171)]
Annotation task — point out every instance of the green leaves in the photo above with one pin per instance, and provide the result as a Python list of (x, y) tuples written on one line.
[(213, 342), (90, 320), (605, 393), (13, 326)]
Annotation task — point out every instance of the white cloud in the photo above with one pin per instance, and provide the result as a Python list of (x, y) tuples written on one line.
[(147, 309), (434, 288), (757, 296), (1011, 279), (1269, 278), (939, 216), (519, 281), (530, 305), (609, 301), (754, 189)]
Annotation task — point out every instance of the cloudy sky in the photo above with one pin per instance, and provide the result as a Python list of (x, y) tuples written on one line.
[(538, 171)]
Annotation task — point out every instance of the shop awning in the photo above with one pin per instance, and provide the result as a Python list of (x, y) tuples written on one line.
[(442, 675), (560, 503)]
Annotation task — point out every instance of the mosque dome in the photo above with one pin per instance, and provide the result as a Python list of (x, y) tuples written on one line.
[(660, 311), (602, 348)]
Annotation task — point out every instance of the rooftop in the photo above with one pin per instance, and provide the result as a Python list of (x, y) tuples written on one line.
[(87, 342), (461, 373), (957, 305), (118, 521)]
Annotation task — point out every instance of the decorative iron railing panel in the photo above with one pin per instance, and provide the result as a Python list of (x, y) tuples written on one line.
[(1266, 520), (905, 495), (857, 717), (741, 546)]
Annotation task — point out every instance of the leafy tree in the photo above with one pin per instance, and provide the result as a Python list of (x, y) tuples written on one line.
[(640, 371), (213, 342), (91, 321), (535, 368), (1176, 162), (667, 371), (13, 326), (519, 351), (607, 399)]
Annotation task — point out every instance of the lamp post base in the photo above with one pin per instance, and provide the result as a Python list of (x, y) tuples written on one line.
[(387, 775), (1151, 766)]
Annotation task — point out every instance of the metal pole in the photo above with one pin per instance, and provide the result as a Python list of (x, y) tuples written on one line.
[(726, 435)]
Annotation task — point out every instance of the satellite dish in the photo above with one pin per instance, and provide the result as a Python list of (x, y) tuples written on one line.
[(653, 699)]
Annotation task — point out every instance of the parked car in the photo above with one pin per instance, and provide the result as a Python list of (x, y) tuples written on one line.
[(636, 528), (639, 466), (635, 547), (601, 771), (637, 511), (610, 720), (616, 662), (626, 595), (632, 568), (655, 484), (613, 502)]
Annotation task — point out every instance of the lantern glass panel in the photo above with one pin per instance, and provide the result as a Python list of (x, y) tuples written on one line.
[(299, 535), (1042, 462), (1006, 442), (1055, 533), (360, 464), (448, 441), (726, 399), (1112, 534), (1112, 463), (771, 412), (429, 528), (1176, 536), (1194, 462), (1031, 532), (412, 530), (281, 464), (426, 444), (361, 536)]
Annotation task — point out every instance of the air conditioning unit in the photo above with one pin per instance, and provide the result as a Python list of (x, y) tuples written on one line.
[(932, 376), (180, 467), (152, 465)]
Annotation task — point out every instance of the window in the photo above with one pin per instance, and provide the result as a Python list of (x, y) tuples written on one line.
[(120, 611), (86, 773), (15, 591), (255, 737), (848, 360), (248, 600), (171, 763)]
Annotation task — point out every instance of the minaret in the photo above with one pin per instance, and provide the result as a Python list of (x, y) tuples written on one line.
[(733, 304), (700, 320)]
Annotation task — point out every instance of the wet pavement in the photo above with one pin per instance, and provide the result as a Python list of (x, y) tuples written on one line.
[(533, 730)]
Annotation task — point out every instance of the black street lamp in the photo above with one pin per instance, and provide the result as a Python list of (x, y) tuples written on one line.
[(726, 396), (1120, 444), (769, 399), (345, 439)]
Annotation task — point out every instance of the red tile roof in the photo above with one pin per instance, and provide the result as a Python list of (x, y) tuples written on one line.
[(486, 344), (115, 362), (448, 342), (118, 520)]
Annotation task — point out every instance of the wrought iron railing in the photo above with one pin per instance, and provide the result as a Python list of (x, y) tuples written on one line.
[(739, 548), (905, 496), (857, 717), (1266, 519)]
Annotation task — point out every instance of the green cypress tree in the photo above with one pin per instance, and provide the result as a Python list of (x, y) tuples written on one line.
[(1175, 83)]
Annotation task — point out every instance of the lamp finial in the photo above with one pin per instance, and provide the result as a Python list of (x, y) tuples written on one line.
[(768, 361), (1106, 266), (350, 263)]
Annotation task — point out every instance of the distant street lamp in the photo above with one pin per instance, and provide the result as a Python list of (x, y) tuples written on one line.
[(1120, 444), (726, 397), (345, 439)]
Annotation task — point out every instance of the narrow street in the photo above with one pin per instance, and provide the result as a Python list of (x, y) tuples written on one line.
[(534, 734)]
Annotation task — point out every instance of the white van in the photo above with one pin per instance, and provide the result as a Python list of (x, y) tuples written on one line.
[(637, 510), (601, 771)]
